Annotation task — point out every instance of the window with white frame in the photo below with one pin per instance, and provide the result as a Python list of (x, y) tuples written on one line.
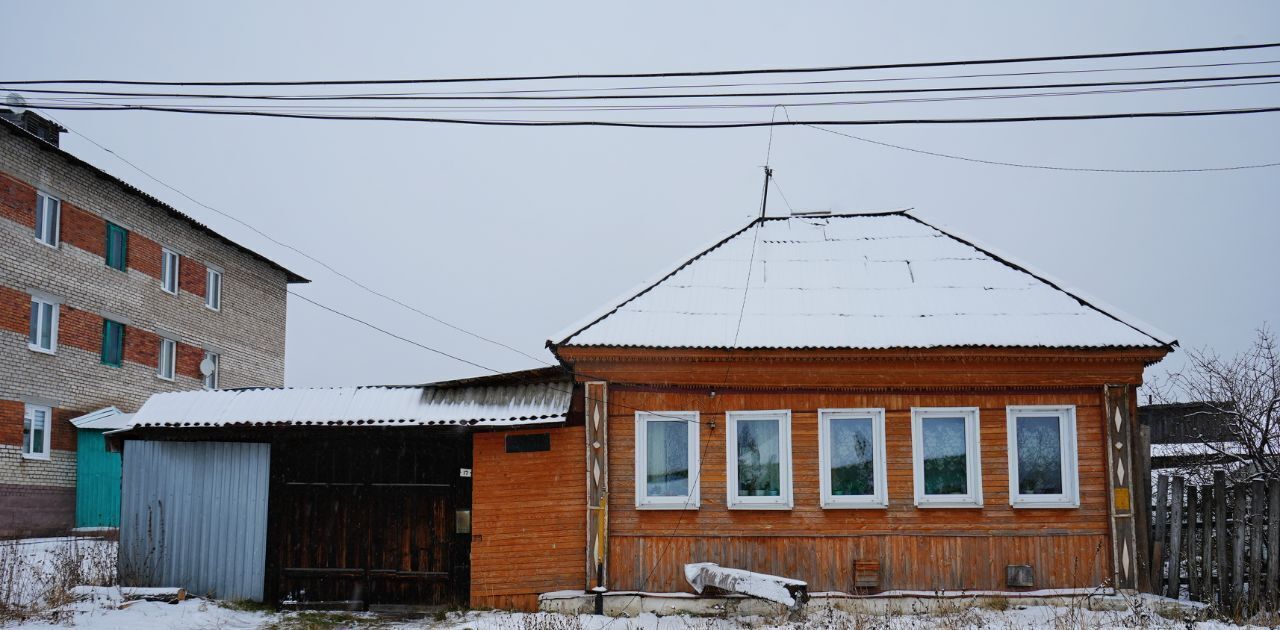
[(169, 271), (48, 209), (36, 422), (851, 458), (759, 456), (213, 289), (947, 458), (667, 460), (210, 375), (43, 335), (168, 358), (1042, 456)]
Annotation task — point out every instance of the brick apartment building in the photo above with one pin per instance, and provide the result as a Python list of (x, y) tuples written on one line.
[(107, 295)]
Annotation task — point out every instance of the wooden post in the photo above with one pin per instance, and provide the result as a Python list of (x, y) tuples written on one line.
[(1273, 543), (1120, 468), (1207, 543), (1175, 540), (1257, 508), (1142, 497), (1192, 511), (1240, 525), (596, 410), (1159, 527), (1220, 527)]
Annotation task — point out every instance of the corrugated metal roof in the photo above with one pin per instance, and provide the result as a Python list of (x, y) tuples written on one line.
[(17, 130), (504, 405), (871, 281), (105, 419)]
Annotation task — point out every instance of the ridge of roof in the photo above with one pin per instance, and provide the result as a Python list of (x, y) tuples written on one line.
[(291, 276)]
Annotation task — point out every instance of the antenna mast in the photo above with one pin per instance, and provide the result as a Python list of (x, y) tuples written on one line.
[(764, 195)]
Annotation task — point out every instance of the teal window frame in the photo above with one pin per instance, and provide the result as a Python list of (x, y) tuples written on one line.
[(112, 333), (122, 262)]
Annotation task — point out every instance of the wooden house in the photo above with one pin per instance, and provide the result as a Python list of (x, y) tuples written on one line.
[(863, 402)]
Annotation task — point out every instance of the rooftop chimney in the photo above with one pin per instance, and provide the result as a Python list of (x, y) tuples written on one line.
[(34, 124)]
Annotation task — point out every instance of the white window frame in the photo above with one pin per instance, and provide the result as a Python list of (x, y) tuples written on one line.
[(784, 500), (212, 296), (643, 500), (880, 497), (167, 365), (210, 381), (168, 270), (1070, 497), (29, 416), (43, 202), (53, 327), (973, 457)]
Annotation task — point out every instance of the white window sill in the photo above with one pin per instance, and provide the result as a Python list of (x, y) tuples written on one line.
[(53, 246), (681, 507), (35, 348), (1036, 505), (759, 506), (876, 505), (210, 308), (36, 456), (960, 504), (166, 378), (174, 293)]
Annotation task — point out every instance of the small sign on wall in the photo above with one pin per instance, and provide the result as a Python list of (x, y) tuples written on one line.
[(465, 472)]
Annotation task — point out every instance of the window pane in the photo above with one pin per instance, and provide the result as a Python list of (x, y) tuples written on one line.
[(1039, 455), (26, 433), (667, 464), (759, 465), (112, 343), (34, 335), (945, 469), (41, 219), (852, 457), (46, 326)]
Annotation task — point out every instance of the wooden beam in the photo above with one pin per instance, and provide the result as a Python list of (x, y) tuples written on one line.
[(597, 499), (1121, 471)]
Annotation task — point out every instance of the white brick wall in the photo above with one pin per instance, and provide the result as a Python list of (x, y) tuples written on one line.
[(58, 470)]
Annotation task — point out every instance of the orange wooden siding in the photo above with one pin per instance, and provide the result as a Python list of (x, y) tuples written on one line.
[(528, 519), (918, 548)]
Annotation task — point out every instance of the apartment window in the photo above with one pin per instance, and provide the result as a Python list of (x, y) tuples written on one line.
[(48, 210), (1042, 456), (43, 336), (168, 358), (36, 422), (851, 458), (209, 368), (667, 460), (112, 343), (169, 271), (948, 466), (117, 247), (213, 289), (759, 455)]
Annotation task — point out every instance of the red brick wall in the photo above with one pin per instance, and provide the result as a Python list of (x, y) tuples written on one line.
[(17, 201), (79, 329), (144, 255), (141, 346), (191, 276), (63, 437), (189, 358), (11, 422), (83, 229), (64, 433), (15, 310)]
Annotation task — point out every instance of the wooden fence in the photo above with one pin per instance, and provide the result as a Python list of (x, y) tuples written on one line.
[(1216, 543)]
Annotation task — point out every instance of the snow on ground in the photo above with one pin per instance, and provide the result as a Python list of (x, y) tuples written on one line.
[(36, 572), (200, 614)]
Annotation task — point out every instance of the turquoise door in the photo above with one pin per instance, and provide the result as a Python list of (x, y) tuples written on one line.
[(97, 481)]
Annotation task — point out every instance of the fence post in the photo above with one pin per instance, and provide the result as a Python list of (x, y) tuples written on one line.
[(1220, 524), (1240, 524), (1273, 543), (1193, 509), (1175, 539), (1206, 544), (1256, 511), (1157, 547)]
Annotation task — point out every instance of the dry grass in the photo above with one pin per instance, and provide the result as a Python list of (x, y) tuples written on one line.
[(36, 577)]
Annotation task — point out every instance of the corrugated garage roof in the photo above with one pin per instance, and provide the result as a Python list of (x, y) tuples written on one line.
[(498, 405), (868, 281)]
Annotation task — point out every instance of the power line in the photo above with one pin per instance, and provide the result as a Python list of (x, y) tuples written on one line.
[(673, 125), (695, 73), (505, 97), (1047, 167), (306, 255)]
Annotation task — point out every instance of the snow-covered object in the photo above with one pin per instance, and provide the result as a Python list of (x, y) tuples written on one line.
[(105, 419), (498, 405), (785, 591), (868, 281)]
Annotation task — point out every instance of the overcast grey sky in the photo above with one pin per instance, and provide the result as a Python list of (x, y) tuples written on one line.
[(515, 233)]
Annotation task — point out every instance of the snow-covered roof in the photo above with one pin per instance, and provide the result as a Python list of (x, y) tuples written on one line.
[(500, 405), (105, 419), (865, 281)]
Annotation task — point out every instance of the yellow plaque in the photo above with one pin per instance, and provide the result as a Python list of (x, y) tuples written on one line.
[(1122, 498)]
